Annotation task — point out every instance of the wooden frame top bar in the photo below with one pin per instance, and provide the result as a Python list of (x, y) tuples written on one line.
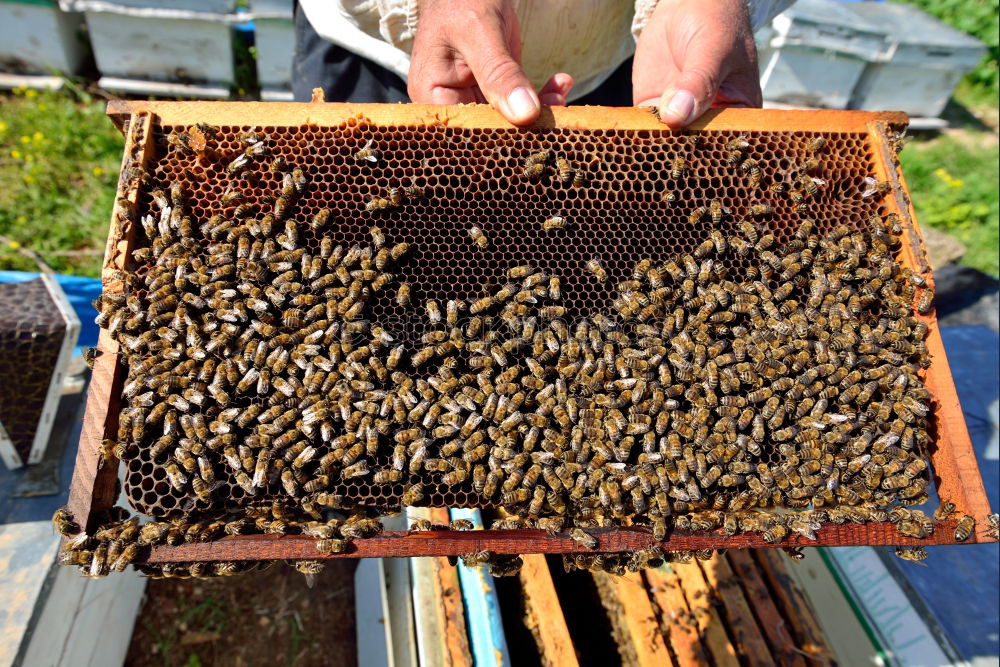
[(482, 116)]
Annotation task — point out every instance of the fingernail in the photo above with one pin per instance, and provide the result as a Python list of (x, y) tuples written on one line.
[(521, 103), (681, 106)]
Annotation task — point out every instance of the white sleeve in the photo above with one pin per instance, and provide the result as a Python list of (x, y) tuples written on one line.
[(760, 11), (398, 22)]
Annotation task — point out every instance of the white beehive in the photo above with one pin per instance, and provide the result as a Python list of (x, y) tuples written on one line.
[(274, 37), (924, 63), (36, 37), (168, 50), (815, 53)]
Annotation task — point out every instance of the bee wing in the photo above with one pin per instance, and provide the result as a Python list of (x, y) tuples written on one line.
[(872, 184)]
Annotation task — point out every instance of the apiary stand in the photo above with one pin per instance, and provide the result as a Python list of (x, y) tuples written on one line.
[(952, 458)]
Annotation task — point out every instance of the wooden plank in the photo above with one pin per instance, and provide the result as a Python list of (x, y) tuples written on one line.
[(740, 620), (482, 609), (633, 620), (456, 641), (769, 619), (396, 571), (953, 458), (676, 620), (93, 488), (709, 624), (446, 542), (103, 620), (27, 552), (371, 628), (258, 114), (544, 616), (794, 604), (848, 640)]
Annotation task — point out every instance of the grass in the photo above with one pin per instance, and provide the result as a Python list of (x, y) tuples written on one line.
[(59, 160), (953, 182)]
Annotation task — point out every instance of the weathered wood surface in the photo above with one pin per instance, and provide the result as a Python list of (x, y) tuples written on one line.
[(93, 487), (446, 542), (633, 620), (675, 616), (544, 615)]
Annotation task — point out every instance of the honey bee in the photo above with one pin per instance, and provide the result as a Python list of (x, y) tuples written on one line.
[(775, 534), (874, 187), (678, 168), (912, 554), (403, 294), (333, 546), (697, 215), (925, 302), (761, 210), (753, 169), (815, 144), (375, 204), (963, 530), (555, 222), (717, 210), (478, 237), (565, 171), (64, 523), (369, 153), (594, 267), (583, 538), (533, 171), (433, 311)]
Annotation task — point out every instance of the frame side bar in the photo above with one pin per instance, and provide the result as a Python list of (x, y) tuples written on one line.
[(94, 484)]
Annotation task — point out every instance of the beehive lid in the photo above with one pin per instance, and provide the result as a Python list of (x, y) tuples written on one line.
[(825, 25), (917, 37)]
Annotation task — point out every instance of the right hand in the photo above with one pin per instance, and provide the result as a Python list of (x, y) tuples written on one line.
[(469, 51)]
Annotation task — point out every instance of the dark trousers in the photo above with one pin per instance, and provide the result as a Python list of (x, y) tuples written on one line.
[(346, 77)]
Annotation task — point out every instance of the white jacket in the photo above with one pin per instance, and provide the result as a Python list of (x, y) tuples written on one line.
[(588, 39)]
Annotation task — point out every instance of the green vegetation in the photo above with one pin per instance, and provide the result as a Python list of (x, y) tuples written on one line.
[(953, 182), (59, 160), (979, 18)]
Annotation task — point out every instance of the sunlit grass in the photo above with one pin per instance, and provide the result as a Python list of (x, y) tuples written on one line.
[(59, 160)]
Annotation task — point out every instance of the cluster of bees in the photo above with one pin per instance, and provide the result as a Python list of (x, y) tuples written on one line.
[(770, 402)]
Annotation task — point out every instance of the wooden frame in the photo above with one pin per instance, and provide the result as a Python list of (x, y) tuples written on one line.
[(953, 460)]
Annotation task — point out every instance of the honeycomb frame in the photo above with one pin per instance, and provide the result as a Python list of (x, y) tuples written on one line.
[(955, 473)]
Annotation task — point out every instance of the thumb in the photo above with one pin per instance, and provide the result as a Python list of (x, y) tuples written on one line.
[(500, 77), (692, 92)]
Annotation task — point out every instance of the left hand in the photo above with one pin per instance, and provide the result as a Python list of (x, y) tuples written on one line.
[(693, 55)]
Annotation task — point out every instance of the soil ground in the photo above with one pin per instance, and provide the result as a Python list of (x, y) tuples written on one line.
[(257, 618)]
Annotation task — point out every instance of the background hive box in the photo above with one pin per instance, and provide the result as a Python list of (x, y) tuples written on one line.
[(38, 330), (464, 157)]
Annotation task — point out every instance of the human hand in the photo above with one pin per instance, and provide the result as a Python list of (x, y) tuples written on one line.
[(693, 55), (470, 51)]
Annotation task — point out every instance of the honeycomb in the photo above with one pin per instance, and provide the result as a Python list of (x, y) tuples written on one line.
[(31, 333), (474, 177)]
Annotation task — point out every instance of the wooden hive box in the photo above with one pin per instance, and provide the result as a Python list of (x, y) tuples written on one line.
[(867, 136)]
